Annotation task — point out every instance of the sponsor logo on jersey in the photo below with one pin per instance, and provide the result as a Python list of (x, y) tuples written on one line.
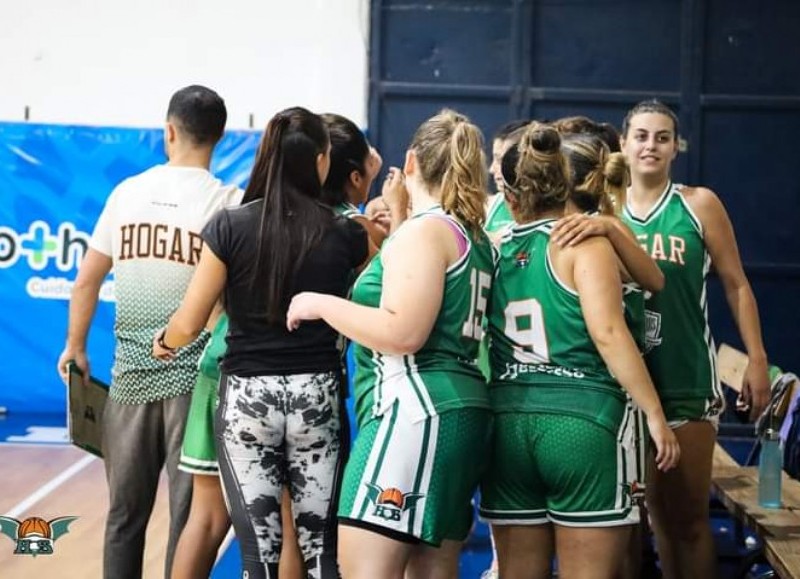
[(514, 371), (35, 536), (391, 503), (521, 259)]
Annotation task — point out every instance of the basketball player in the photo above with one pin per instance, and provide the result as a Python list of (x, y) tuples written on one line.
[(421, 403), (685, 230), (557, 335), (498, 216), (599, 179), (354, 166)]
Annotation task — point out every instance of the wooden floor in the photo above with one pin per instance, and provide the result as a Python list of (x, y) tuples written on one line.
[(60, 480)]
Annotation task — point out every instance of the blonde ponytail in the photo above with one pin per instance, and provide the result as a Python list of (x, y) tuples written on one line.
[(449, 151), (616, 174), (599, 177)]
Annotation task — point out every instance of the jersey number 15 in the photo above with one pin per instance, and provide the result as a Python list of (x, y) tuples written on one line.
[(480, 282)]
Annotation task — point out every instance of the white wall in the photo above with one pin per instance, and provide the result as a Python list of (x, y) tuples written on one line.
[(116, 62)]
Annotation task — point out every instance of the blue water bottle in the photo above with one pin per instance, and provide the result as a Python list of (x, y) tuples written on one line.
[(770, 468)]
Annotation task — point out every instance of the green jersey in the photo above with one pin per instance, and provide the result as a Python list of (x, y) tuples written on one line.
[(347, 210), (443, 374), (633, 307), (498, 215), (215, 349), (542, 357), (679, 349)]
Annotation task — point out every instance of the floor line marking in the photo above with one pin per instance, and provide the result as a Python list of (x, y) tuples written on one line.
[(50, 486)]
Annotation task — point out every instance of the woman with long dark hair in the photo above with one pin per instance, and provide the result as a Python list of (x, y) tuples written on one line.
[(278, 421)]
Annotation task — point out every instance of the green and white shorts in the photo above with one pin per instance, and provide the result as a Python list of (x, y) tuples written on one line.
[(199, 452), (552, 468), (680, 411), (414, 481), (641, 443)]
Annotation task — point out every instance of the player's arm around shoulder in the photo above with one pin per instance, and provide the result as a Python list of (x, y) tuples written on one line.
[(595, 273)]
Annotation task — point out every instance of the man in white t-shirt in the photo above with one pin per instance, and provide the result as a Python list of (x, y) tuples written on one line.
[(149, 232)]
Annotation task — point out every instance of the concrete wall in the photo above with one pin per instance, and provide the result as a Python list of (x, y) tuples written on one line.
[(109, 62)]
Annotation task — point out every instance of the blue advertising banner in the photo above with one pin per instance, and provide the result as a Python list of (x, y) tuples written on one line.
[(54, 181)]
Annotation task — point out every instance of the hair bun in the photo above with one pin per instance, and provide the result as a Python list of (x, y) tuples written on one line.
[(543, 138)]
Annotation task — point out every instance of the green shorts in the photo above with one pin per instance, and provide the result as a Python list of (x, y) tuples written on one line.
[(414, 481), (560, 469), (199, 453), (484, 364), (679, 411)]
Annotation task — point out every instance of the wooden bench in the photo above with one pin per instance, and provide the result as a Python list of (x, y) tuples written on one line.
[(779, 529)]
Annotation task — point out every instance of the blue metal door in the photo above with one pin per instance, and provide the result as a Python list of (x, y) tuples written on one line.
[(730, 68)]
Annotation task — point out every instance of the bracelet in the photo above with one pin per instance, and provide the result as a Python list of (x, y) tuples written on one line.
[(161, 343)]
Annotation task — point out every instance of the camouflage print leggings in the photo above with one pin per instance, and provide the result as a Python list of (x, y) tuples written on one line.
[(274, 431)]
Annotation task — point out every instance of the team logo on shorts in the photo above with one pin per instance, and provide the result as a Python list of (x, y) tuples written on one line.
[(634, 489), (392, 502), (521, 259), (35, 536)]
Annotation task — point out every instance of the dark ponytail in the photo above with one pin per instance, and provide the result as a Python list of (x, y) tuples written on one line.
[(293, 220)]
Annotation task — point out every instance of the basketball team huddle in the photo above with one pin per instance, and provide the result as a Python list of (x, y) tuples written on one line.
[(543, 351)]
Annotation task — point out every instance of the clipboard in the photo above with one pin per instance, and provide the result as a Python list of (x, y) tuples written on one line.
[(85, 405)]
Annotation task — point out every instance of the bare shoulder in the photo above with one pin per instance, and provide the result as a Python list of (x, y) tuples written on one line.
[(703, 201), (424, 226), (588, 250), (424, 237), (594, 245)]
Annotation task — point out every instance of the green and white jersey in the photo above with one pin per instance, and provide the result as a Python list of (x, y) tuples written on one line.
[(150, 227), (633, 308), (679, 349), (443, 374), (542, 357), (498, 215), (215, 349), (347, 210)]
